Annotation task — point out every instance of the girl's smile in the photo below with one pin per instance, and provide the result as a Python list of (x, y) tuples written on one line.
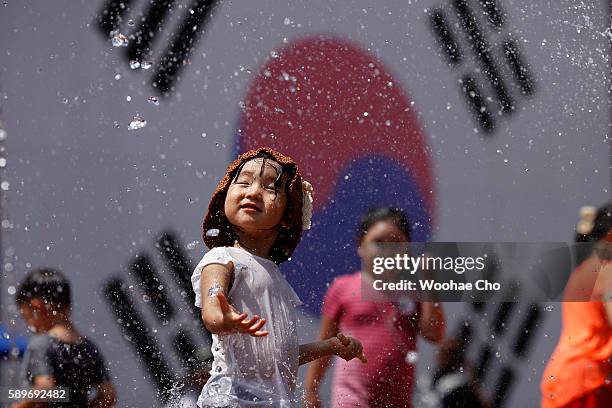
[(256, 199)]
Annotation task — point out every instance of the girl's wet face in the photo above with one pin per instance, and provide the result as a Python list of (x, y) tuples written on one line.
[(256, 198)]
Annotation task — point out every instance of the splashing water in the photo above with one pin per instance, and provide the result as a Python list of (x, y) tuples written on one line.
[(174, 401), (154, 100), (193, 245), (119, 40), (213, 232), (412, 357), (134, 64), (219, 401), (146, 65), (137, 123)]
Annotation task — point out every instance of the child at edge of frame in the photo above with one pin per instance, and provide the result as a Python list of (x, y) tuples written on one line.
[(254, 222), (58, 355)]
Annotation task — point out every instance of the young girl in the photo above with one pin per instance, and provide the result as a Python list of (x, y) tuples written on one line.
[(254, 222), (387, 329)]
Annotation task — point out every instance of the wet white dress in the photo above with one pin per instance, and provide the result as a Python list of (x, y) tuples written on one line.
[(253, 371)]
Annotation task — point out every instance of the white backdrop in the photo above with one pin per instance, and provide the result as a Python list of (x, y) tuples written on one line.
[(87, 195)]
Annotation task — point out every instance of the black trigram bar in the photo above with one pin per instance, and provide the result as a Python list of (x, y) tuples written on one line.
[(140, 47), (112, 13), (464, 332), (182, 44), (519, 68), (484, 360), (504, 383), (481, 47), (493, 11), (527, 331), (445, 37), (152, 287), (501, 317), (133, 328), (479, 306), (170, 249), (185, 348), (477, 104)]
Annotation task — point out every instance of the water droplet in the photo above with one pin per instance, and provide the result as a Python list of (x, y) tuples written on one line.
[(137, 122), (274, 54), (154, 100), (5, 185), (128, 98), (146, 298), (117, 77), (412, 357), (134, 64), (287, 21), (11, 290), (218, 400), (549, 308), (193, 245), (146, 65), (213, 232), (130, 22), (119, 40)]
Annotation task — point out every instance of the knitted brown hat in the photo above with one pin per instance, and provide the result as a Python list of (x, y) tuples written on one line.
[(288, 237)]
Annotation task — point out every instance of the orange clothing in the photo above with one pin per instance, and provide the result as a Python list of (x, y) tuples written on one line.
[(581, 362)]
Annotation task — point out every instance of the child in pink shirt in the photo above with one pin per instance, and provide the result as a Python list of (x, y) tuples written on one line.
[(387, 330)]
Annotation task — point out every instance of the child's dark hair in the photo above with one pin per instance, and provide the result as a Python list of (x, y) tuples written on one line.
[(376, 214), (47, 284), (602, 224), (288, 237)]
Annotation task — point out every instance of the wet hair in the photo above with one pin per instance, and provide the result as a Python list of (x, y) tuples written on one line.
[(47, 284), (377, 214), (289, 236)]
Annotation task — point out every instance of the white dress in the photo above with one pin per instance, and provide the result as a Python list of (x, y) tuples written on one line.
[(253, 371)]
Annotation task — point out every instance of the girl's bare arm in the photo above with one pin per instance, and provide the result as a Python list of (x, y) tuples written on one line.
[(344, 347), (317, 369), (218, 315)]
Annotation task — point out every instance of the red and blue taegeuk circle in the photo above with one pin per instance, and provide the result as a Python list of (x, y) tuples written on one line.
[(339, 113)]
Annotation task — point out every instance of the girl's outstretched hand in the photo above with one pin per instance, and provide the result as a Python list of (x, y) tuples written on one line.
[(233, 321), (348, 348)]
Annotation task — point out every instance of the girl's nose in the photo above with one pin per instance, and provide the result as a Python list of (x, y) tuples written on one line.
[(253, 191)]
